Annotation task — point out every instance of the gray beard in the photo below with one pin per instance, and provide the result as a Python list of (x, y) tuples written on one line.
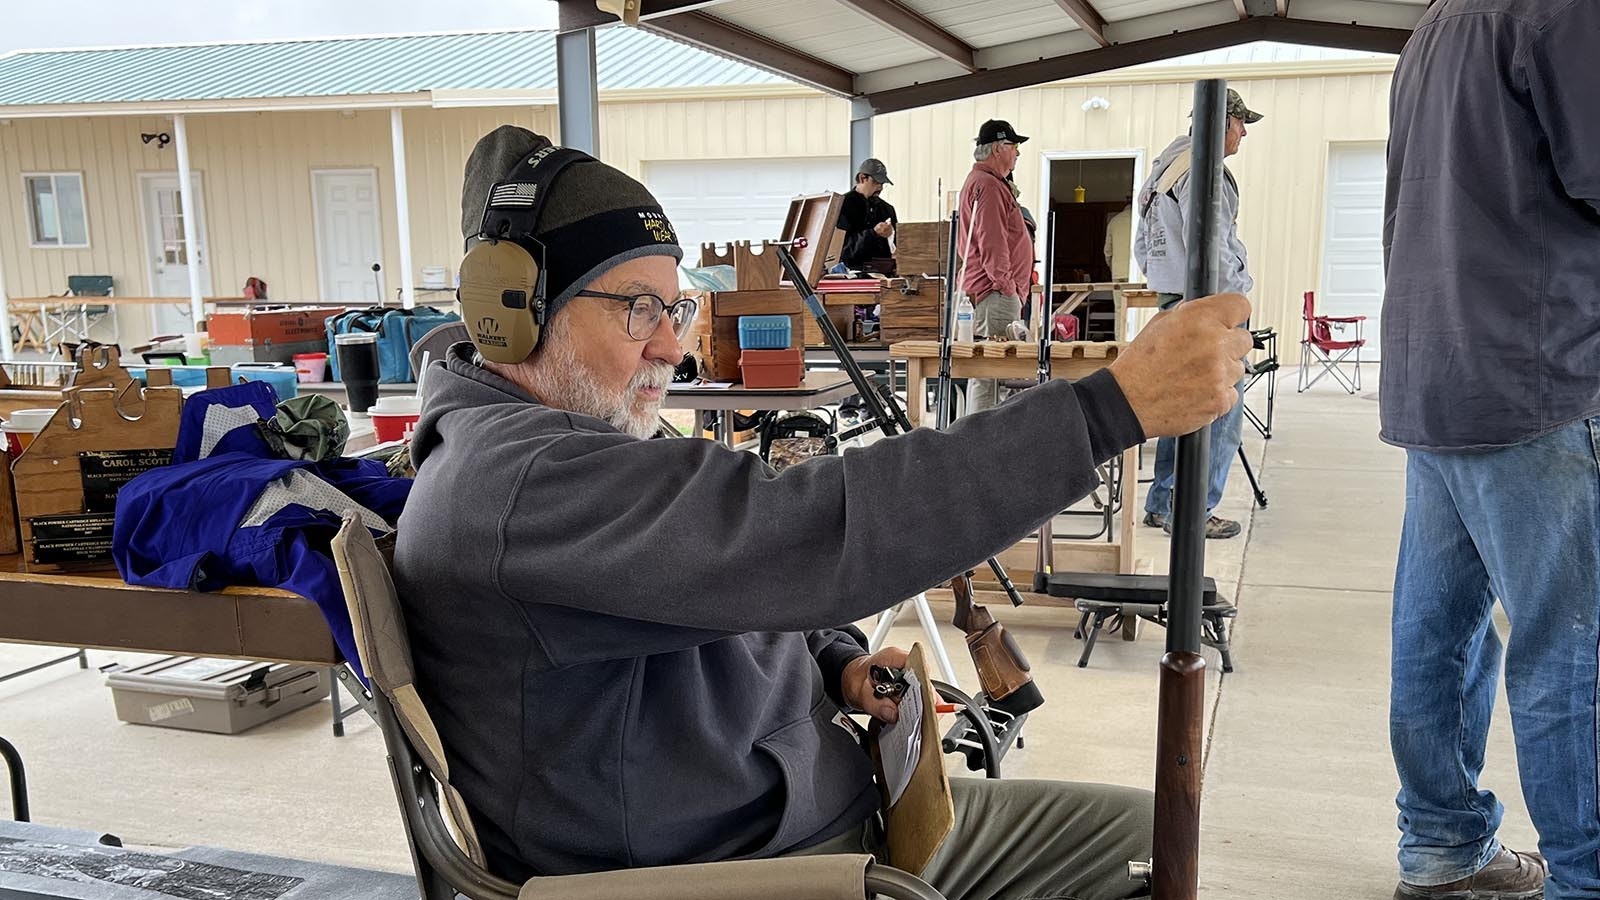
[(564, 381)]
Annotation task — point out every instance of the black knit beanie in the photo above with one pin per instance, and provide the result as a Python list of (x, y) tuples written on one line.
[(594, 217)]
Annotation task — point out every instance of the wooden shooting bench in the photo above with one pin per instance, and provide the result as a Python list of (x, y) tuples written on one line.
[(1020, 360)]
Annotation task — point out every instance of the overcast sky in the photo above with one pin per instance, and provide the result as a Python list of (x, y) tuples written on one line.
[(32, 25)]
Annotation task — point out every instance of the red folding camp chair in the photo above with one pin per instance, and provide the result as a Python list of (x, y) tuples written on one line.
[(1319, 345)]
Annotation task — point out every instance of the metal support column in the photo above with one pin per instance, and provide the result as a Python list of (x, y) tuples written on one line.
[(860, 132), (402, 206), (191, 222), (7, 351), (577, 91)]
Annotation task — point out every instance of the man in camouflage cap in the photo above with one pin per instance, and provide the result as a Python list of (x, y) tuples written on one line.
[(1158, 246)]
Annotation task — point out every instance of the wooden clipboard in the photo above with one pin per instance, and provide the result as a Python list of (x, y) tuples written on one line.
[(918, 824)]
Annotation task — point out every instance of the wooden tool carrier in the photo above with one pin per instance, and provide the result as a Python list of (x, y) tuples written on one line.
[(58, 498)]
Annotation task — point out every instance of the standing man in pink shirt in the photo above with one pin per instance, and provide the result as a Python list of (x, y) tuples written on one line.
[(995, 244)]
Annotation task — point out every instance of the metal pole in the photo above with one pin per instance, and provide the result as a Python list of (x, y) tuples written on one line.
[(1175, 869), (860, 133), (7, 351), (1045, 558), (402, 206), (191, 222), (577, 91)]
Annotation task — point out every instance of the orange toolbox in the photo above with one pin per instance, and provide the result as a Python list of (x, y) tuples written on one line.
[(268, 333)]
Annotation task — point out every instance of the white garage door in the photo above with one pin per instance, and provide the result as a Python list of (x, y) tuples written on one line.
[(1352, 249), (737, 199)]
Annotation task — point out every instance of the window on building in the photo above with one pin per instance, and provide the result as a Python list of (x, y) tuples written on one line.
[(55, 206)]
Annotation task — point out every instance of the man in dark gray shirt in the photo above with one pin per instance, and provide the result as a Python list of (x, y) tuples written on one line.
[(1491, 381), (636, 650)]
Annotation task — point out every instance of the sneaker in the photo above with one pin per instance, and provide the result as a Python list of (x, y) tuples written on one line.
[(1509, 876), (1216, 529), (1155, 520), (1222, 529)]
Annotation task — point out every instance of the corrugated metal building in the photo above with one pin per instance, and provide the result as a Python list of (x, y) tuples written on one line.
[(291, 144)]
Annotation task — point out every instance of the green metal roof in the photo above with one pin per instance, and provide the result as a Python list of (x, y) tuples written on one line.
[(506, 60)]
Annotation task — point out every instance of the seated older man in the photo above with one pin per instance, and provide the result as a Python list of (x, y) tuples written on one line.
[(636, 649)]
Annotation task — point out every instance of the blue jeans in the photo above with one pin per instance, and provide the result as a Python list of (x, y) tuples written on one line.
[(1521, 524), (1225, 438)]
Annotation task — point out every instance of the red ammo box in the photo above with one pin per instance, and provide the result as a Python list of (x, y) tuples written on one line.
[(773, 368)]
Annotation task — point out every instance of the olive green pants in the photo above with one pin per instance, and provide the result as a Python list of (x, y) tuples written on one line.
[(1032, 840)]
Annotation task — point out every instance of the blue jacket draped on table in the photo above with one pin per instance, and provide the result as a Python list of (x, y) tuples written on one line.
[(230, 512)]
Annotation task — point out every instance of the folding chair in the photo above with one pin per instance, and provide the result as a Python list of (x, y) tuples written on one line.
[(1319, 344), (444, 845), (70, 323), (1265, 339)]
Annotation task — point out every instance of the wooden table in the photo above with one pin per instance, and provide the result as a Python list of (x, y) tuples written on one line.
[(28, 313), (818, 389), (1020, 359), (1125, 294), (97, 609)]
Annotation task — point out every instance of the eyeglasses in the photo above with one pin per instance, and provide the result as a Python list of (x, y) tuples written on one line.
[(645, 311)]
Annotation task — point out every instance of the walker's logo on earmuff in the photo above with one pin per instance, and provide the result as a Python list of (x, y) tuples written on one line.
[(489, 332), (658, 226)]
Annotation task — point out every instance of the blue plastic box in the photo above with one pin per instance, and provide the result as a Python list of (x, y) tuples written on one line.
[(763, 332)]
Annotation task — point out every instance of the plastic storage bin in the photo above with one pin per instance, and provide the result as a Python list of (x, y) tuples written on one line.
[(773, 368), (763, 332), (223, 696)]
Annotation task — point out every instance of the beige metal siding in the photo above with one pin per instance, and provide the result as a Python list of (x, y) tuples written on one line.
[(110, 156), (1281, 166), (438, 142), (632, 133)]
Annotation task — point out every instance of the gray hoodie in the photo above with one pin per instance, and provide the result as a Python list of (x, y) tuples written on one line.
[(631, 648), (1159, 245)]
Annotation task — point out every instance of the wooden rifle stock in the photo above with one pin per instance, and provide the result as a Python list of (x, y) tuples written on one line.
[(1003, 670), (1175, 849)]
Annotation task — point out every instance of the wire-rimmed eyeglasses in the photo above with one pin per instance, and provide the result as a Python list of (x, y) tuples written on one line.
[(645, 312)]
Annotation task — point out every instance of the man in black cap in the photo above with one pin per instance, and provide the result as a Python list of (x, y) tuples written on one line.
[(868, 221), (997, 250), (636, 651)]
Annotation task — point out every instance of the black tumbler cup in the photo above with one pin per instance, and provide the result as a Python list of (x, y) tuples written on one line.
[(358, 368)]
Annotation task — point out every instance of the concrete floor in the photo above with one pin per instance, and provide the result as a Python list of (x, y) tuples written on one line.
[(1298, 783)]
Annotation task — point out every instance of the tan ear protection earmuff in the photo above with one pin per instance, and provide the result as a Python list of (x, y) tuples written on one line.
[(502, 292)]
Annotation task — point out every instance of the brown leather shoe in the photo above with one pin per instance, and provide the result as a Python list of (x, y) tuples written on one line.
[(1509, 876)]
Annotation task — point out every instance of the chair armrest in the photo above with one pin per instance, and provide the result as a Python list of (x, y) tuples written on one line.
[(827, 877), (1343, 320)]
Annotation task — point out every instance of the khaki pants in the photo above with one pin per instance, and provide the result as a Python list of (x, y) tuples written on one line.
[(990, 316), (1032, 840)]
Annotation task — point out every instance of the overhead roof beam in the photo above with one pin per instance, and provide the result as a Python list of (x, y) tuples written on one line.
[(718, 36), (1071, 65), (913, 27), (579, 14), (1088, 18)]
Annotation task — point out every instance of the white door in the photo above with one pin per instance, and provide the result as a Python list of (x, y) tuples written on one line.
[(739, 199), (1352, 248), (349, 237), (168, 247)]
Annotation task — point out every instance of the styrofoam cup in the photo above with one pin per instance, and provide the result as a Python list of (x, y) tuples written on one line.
[(31, 420)]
